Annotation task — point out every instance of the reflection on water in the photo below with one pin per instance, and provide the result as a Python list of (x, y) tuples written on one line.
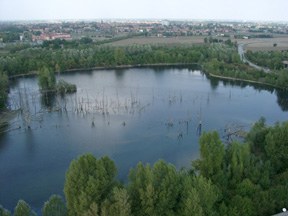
[(4, 125), (119, 73), (48, 100), (131, 115), (282, 99)]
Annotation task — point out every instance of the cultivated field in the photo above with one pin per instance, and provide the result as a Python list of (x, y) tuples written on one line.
[(266, 44), (159, 40)]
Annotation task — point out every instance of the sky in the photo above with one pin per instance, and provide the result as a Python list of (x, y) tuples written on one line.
[(245, 10)]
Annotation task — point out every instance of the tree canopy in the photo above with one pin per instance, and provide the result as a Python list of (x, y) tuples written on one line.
[(54, 206), (88, 181), (3, 90)]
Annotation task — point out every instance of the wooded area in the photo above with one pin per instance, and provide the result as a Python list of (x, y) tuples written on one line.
[(219, 58), (272, 59)]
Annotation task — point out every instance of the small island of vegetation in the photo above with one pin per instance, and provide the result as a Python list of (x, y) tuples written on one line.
[(47, 83)]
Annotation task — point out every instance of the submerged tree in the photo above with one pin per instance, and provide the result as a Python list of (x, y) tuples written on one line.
[(64, 87), (47, 83), (46, 79)]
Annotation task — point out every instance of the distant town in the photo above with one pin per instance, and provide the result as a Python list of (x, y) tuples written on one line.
[(38, 32)]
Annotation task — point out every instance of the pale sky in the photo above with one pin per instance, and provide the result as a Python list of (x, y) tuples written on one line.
[(254, 10)]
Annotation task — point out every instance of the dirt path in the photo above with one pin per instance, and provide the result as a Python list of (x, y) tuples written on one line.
[(241, 52)]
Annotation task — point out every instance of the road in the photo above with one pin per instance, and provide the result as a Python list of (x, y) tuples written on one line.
[(241, 52)]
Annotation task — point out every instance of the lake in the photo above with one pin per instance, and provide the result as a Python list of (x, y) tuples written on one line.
[(131, 115)]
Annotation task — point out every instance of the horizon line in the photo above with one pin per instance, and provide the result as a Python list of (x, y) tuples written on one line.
[(142, 19)]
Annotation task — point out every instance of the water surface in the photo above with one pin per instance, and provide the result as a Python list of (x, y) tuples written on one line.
[(130, 115)]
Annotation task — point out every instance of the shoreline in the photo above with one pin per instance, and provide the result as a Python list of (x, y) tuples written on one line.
[(243, 80), (33, 73)]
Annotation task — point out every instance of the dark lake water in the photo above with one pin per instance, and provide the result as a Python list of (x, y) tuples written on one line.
[(131, 115)]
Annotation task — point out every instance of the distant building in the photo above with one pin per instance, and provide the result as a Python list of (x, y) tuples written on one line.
[(165, 22), (285, 63), (45, 37), (61, 36)]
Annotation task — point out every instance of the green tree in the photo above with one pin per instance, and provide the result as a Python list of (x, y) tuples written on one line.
[(166, 184), (23, 209), (264, 203), (46, 79), (277, 147), (119, 56), (92, 211), (3, 89), (54, 207), (141, 190), (88, 181), (212, 154), (243, 205), (86, 40), (192, 204), (154, 191), (4, 212), (238, 156), (247, 188), (256, 137), (118, 204), (208, 194), (189, 201)]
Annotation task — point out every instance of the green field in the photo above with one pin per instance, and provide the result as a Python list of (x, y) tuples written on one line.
[(159, 40)]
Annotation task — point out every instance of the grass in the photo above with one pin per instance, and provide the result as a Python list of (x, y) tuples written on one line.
[(266, 44), (159, 40), (3, 52)]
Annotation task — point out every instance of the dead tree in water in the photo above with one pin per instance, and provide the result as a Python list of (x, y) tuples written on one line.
[(180, 136), (24, 107), (233, 132), (199, 128), (28, 107)]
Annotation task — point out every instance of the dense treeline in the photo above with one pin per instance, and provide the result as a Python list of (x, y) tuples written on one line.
[(241, 36), (219, 58), (233, 68), (85, 42), (3, 89), (10, 33), (244, 72), (247, 178), (31, 59), (271, 59)]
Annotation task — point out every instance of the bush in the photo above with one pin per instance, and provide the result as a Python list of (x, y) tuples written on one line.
[(64, 87)]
